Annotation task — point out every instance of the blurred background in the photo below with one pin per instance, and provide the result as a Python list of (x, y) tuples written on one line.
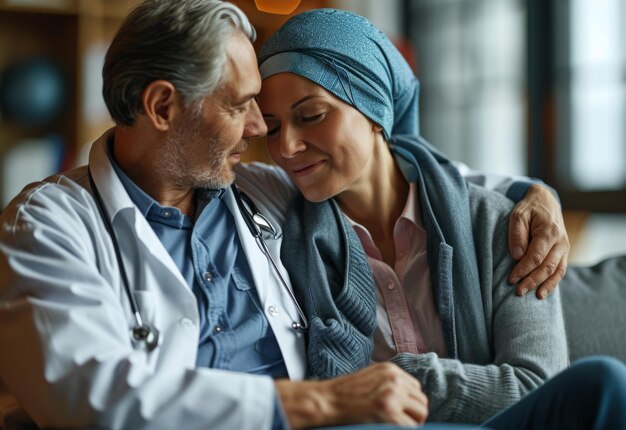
[(522, 87)]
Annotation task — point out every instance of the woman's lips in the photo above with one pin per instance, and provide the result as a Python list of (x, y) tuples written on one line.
[(305, 170)]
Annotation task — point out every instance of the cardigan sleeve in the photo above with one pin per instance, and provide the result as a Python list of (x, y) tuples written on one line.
[(513, 187), (527, 335)]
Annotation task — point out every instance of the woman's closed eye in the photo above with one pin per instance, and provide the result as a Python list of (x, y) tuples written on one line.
[(312, 118), (273, 126)]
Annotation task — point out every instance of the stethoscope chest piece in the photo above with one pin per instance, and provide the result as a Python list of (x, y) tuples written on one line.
[(145, 336)]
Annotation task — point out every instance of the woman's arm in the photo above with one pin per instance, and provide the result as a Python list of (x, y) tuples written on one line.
[(537, 237), (527, 336)]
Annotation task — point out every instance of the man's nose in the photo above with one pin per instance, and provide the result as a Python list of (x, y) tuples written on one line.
[(255, 125)]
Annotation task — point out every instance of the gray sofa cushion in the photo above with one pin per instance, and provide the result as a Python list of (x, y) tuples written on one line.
[(594, 305)]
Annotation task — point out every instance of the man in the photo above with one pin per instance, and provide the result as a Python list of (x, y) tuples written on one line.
[(132, 294)]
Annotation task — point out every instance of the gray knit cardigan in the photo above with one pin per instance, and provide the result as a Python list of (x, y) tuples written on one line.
[(500, 346)]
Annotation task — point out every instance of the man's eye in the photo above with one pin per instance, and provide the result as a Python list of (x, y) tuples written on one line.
[(242, 108)]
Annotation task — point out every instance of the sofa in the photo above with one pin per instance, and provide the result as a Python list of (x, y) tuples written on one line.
[(594, 306)]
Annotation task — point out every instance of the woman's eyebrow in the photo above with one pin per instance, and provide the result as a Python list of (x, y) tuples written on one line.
[(303, 99), (295, 105)]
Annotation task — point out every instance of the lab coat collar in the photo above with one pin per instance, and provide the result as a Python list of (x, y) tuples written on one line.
[(114, 197), (117, 202)]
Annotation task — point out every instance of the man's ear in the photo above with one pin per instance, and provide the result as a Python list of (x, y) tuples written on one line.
[(160, 104), (377, 128)]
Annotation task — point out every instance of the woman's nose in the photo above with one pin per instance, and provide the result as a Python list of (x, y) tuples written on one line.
[(291, 142)]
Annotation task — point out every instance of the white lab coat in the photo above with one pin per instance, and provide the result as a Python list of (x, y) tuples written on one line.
[(66, 359)]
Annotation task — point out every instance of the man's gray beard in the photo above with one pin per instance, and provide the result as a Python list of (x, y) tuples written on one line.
[(175, 164)]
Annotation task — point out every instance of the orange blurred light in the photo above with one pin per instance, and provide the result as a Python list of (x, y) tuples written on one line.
[(278, 7)]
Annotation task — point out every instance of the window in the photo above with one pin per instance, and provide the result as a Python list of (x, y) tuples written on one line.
[(579, 95), (589, 84), (472, 71), (536, 87)]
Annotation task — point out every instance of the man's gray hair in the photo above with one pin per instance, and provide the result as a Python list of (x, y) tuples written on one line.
[(180, 41)]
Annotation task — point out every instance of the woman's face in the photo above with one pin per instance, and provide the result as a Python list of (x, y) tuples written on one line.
[(326, 146)]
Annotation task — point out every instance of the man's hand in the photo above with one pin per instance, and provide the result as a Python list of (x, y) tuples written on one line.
[(542, 262), (380, 393)]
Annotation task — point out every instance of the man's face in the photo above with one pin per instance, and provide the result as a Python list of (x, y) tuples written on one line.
[(205, 145)]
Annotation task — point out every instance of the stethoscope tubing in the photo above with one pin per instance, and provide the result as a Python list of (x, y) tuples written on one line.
[(142, 332)]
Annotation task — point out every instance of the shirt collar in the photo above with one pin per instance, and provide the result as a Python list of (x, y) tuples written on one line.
[(411, 212), (412, 207), (150, 208)]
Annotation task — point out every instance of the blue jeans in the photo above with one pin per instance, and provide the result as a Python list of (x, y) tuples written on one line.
[(590, 395), (429, 426)]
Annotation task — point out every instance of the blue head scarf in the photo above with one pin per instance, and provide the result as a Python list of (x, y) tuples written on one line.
[(348, 56)]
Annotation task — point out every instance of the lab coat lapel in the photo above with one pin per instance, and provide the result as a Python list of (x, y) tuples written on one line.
[(260, 272)]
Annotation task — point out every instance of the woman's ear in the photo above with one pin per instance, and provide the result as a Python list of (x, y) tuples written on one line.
[(160, 103)]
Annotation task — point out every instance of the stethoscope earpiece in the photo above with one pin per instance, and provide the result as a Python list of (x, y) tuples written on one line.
[(264, 224)]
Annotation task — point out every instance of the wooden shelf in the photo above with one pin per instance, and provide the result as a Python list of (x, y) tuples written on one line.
[(75, 34), (61, 7), (116, 9)]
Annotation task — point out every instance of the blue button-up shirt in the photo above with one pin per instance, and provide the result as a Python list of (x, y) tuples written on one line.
[(234, 332)]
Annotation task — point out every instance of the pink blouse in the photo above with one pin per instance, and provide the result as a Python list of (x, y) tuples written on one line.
[(406, 314)]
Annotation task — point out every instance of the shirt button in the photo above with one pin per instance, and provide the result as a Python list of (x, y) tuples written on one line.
[(391, 286), (208, 276), (166, 213), (218, 329), (187, 323), (273, 310)]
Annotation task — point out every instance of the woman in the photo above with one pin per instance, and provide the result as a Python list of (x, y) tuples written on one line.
[(333, 106), (335, 93)]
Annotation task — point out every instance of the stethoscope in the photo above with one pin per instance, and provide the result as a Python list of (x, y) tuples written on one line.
[(257, 223), (146, 335)]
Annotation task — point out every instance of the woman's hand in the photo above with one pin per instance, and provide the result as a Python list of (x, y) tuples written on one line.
[(538, 240)]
